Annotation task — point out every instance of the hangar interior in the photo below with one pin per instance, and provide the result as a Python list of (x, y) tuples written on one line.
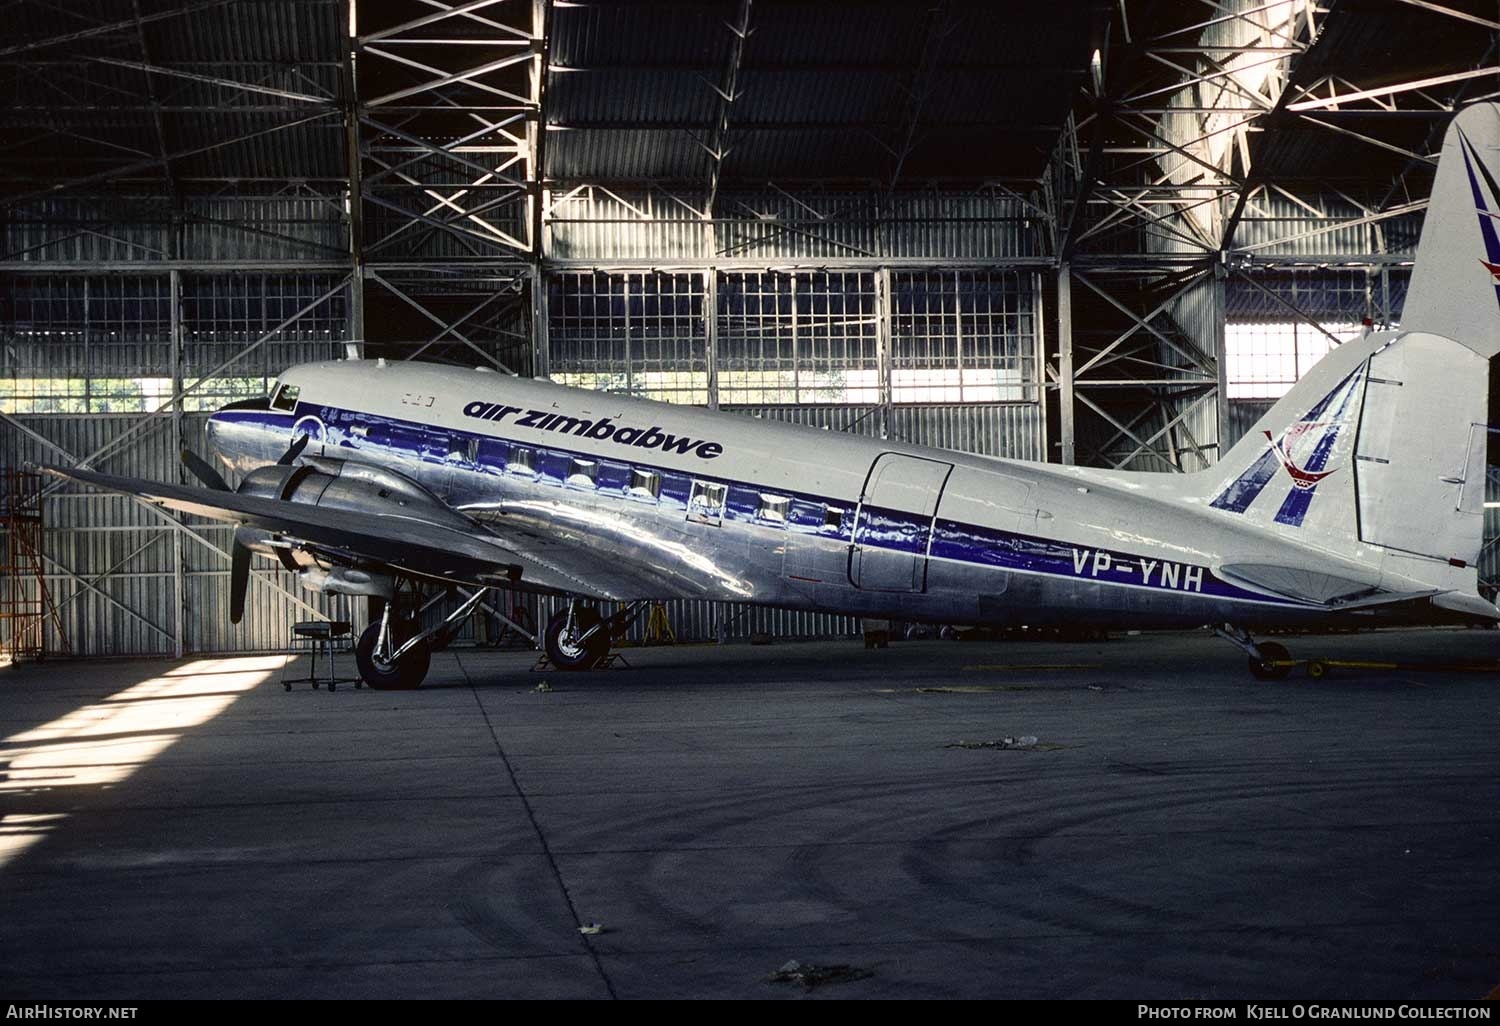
[(1096, 232)]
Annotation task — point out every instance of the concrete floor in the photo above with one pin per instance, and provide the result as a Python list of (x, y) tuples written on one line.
[(1178, 830)]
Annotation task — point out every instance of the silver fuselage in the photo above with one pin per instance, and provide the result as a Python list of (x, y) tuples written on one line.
[(638, 499)]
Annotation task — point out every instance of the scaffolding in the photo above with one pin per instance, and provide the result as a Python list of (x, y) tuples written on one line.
[(25, 603)]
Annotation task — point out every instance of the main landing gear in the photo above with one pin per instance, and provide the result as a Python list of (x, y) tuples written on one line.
[(1268, 660), (394, 654), (578, 638)]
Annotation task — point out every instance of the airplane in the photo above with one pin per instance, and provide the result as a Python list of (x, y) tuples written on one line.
[(1358, 499)]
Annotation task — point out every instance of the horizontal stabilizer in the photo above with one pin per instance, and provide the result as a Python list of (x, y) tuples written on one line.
[(1300, 583), (1469, 605)]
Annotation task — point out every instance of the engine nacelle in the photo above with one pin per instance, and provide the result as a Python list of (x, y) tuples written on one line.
[(355, 488)]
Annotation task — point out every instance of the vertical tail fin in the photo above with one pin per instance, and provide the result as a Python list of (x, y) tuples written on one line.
[(1455, 285), (1378, 453)]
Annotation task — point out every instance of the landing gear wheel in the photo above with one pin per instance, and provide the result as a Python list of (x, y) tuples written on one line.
[(569, 649), (406, 673), (1274, 662)]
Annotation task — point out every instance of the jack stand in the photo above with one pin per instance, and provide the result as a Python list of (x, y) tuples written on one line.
[(609, 661)]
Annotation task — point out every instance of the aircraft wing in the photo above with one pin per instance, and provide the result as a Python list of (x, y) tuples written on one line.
[(448, 546)]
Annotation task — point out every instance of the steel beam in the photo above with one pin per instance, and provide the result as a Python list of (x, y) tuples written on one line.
[(179, 555), (129, 169), (1324, 103), (228, 83), (727, 92), (114, 26), (711, 332), (1066, 384)]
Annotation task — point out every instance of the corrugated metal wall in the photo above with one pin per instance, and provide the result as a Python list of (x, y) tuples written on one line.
[(1275, 225), (1196, 313), (139, 230), (592, 223), (111, 563), (1243, 413)]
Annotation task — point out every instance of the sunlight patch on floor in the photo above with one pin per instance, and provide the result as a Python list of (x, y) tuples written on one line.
[(105, 742)]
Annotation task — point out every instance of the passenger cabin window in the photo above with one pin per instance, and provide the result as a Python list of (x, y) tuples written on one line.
[(583, 473), (773, 508), (521, 461), (833, 518), (706, 502), (491, 455), (644, 484), (286, 398)]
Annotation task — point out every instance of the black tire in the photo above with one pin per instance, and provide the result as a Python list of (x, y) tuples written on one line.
[(1266, 668), (567, 654), (408, 671)]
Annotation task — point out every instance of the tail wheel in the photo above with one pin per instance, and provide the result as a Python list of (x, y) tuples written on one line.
[(1275, 662), (566, 644), (406, 672)]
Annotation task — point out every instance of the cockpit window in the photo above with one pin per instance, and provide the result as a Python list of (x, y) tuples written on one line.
[(286, 398)]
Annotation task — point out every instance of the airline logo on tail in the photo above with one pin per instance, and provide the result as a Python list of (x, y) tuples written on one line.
[(1482, 208), (1304, 450), (1301, 477)]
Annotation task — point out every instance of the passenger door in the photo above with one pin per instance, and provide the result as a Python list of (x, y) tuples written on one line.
[(893, 525)]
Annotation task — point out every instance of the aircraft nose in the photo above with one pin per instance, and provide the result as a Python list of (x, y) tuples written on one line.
[(234, 433)]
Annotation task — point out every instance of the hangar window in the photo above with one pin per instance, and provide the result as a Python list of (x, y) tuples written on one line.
[(100, 343), (637, 333), (798, 337), (1267, 346), (1263, 361), (963, 337)]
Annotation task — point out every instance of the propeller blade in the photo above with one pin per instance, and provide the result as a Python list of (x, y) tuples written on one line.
[(296, 450), (239, 579), (204, 471)]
